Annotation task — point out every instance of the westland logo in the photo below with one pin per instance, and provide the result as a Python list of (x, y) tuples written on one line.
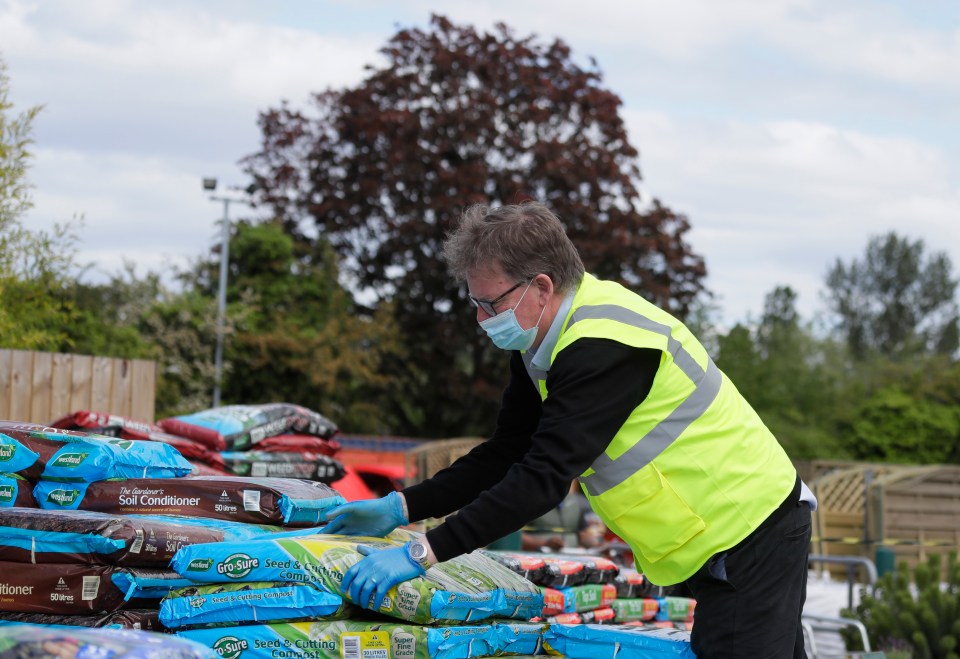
[(230, 647), (237, 566), (200, 565), (7, 452), (70, 459), (63, 497), (197, 602), (122, 444), (6, 493)]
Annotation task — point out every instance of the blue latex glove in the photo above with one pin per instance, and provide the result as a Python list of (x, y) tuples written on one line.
[(380, 571), (370, 517)]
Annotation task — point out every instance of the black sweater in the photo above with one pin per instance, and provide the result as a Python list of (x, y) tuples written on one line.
[(525, 468)]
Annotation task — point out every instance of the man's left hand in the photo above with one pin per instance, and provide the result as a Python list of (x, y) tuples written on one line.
[(380, 571)]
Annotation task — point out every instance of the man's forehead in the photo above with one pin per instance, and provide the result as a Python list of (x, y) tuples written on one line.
[(486, 275)]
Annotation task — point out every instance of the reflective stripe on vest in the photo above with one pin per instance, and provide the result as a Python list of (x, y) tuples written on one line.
[(609, 473)]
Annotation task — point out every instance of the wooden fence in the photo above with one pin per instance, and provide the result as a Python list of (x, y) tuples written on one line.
[(912, 509), (39, 387)]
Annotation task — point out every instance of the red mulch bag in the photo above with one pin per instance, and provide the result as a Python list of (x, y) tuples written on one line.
[(297, 443), (106, 424), (239, 427), (112, 425)]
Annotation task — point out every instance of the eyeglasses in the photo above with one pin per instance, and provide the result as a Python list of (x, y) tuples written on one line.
[(488, 305)]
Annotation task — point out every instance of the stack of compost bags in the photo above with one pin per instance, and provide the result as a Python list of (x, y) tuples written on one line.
[(31, 452), (269, 440), (591, 589), (273, 439), (457, 609), (93, 569), (61, 561), (125, 536), (44, 570)]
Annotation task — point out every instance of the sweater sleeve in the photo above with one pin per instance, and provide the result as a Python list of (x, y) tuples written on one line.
[(594, 385)]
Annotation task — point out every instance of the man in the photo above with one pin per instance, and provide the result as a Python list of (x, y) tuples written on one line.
[(608, 388)]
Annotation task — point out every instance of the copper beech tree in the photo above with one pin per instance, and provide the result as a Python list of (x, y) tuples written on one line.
[(456, 117)]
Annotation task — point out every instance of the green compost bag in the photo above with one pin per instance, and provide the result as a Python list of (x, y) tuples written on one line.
[(467, 588), (347, 639), (249, 602)]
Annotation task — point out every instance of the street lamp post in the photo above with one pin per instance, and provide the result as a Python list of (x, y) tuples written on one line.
[(210, 185)]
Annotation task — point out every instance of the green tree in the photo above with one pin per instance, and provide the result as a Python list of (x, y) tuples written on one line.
[(917, 611), (896, 300), (297, 334), (458, 117), (790, 377), (106, 318), (903, 411), (15, 140), (35, 266)]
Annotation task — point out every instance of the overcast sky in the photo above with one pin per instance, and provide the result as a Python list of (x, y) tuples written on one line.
[(788, 131)]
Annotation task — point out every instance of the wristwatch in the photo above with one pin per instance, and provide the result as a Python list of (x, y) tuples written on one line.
[(418, 552)]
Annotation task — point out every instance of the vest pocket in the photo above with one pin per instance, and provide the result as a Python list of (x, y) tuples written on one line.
[(650, 511)]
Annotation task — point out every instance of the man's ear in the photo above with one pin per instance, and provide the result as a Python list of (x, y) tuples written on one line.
[(545, 288)]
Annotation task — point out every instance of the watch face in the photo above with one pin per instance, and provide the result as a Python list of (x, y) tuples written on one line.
[(418, 551)]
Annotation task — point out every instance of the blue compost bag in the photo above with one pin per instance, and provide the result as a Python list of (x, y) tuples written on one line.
[(248, 602), (270, 501), (143, 583), (466, 588), (78, 536), (15, 491), (613, 641), (348, 638), (89, 460), (519, 637), (23, 640), (14, 456), (74, 456)]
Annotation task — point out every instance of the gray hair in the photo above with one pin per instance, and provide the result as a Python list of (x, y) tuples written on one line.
[(523, 239)]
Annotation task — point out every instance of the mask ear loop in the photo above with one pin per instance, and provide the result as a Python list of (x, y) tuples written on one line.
[(541, 316)]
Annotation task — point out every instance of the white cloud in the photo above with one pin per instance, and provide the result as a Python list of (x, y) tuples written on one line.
[(789, 131), (858, 37), (785, 199), (147, 210)]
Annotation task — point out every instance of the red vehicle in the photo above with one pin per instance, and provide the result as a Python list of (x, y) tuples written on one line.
[(369, 481)]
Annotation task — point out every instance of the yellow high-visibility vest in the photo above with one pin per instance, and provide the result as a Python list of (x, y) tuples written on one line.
[(693, 470)]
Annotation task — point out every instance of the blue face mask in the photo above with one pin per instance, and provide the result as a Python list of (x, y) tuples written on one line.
[(505, 331)]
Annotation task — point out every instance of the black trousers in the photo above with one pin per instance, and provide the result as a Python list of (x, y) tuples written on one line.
[(749, 599)]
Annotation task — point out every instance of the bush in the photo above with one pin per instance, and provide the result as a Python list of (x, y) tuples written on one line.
[(921, 615)]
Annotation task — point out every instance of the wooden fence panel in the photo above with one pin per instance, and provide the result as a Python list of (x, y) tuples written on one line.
[(21, 374), (143, 378), (919, 509), (39, 387), (60, 382), (6, 383), (101, 383)]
